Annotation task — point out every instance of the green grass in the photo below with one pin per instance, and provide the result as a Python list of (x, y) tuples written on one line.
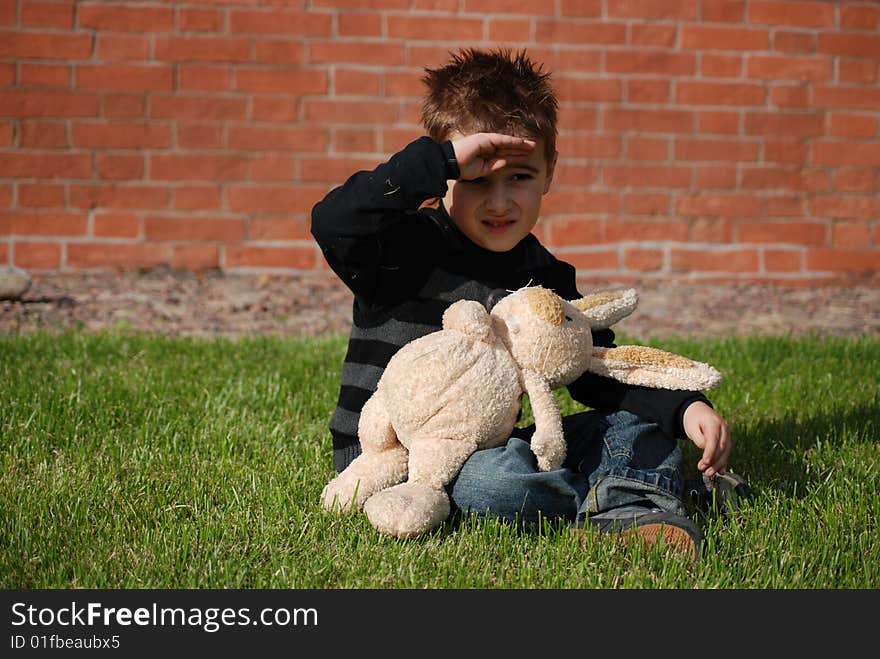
[(134, 461)]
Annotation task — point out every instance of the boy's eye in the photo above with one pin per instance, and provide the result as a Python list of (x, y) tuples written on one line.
[(522, 177)]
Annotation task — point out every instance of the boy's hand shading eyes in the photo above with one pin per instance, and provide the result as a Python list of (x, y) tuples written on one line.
[(481, 154)]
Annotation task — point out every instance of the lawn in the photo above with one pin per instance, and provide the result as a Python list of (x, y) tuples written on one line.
[(139, 461)]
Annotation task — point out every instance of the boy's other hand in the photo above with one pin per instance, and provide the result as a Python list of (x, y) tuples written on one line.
[(705, 428), (481, 154)]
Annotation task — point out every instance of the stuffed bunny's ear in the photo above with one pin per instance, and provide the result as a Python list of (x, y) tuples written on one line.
[(604, 309), (651, 367)]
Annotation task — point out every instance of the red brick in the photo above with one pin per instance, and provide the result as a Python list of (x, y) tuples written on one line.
[(702, 37), (720, 150), (783, 260), (123, 105), (710, 230), (651, 61), (581, 8), (571, 200), (716, 177), (863, 153), (720, 93), (644, 259), (37, 45), (647, 148), (855, 180), (850, 234), (795, 14), (794, 42), (697, 259), (784, 123), (273, 167), (122, 47), (575, 231), (360, 24), (852, 125), (25, 223), (117, 255), (290, 258), (279, 227), (355, 140), (661, 121), (269, 51), (646, 230), (199, 20), (121, 135), (850, 206), (43, 166), (797, 233), (199, 136), (417, 28), (41, 195), (281, 21), (190, 228), (790, 96), (724, 123), (39, 103), (656, 9), (222, 167), (4, 247), (719, 205), (119, 167), (648, 91), (38, 255), (790, 151), (305, 81), (509, 29), (627, 176), (45, 75), (365, 53), (849, 44), (202, 49), (653, 34), (569, 173), (843, 260), (116, 196), (721, 66), (813, 69), (857, 71), (722, 11), (590, 145), (588, 90), (196, 256), (123, 17), (206, 197), (862, 98), (573, 31), (287, 198), (785, 206), (47, 14), (43, 135), (332, 169), (604, 259), (116, 225), (860, 18), (365, 83), (202, 108), (259, 138), (126, 77), (502, 6), (646, 203), (324, 112), (204, 77)]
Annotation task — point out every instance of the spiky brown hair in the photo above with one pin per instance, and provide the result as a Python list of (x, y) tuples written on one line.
[(490, 91)]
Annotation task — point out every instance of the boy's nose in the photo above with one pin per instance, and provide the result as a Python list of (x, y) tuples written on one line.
[(498, 200)]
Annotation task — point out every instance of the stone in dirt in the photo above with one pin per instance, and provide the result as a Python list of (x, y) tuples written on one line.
[(14, 282)]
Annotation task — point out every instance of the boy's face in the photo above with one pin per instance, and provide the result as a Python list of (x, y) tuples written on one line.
[(496, 212)]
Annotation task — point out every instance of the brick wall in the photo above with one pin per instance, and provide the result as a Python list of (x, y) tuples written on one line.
[(704, 138)]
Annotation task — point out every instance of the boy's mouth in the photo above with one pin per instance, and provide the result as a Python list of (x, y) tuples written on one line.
[(498, 225)]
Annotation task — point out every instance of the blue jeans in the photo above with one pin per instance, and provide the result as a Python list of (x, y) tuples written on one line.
[(614, 460)]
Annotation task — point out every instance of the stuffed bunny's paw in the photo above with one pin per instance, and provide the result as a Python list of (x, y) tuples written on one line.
[(407, 509)]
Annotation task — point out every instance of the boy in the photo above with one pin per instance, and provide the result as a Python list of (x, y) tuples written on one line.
[(490, 157)]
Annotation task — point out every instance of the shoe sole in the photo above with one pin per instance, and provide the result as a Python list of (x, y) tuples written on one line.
[(672, 537)]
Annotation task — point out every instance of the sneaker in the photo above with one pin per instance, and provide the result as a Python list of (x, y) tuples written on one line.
[(651, 526), (722, 492)]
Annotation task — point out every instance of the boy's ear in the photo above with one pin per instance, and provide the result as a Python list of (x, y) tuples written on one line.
[(551, 169)]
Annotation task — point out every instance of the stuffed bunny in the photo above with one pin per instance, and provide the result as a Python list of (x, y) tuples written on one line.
[(459, 389)]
